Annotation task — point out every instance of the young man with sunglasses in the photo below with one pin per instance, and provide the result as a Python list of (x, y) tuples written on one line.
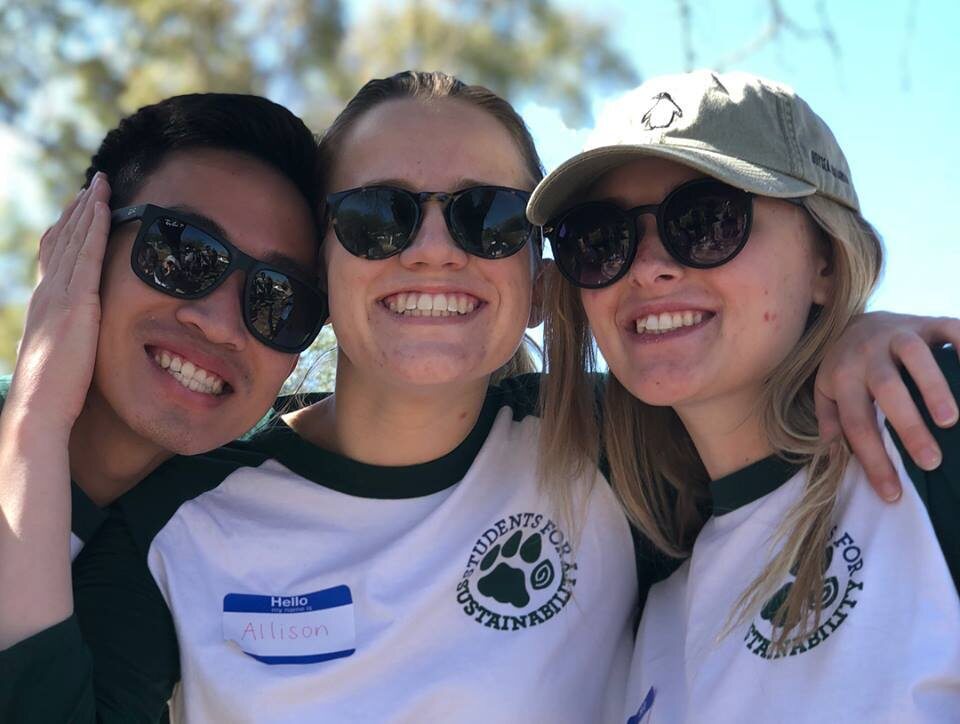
[(141, 343)]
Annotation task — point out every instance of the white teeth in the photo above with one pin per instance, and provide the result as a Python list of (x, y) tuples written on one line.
[(667, 321), (188, 374), (416, 304)]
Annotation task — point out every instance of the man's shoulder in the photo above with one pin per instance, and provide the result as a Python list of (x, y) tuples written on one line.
[(155, 500)]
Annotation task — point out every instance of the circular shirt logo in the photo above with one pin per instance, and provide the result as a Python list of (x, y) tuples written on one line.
[(520, 573), (842, 569)]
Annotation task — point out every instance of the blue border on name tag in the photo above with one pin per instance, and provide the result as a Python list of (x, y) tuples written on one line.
[(301, 659), (253, 603)]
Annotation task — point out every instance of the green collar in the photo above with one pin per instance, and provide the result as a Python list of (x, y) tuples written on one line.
[(377, 481), (750, 483)]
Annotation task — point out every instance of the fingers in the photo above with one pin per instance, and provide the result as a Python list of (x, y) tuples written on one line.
[(65, 233), (917, 357), (828, 416), (89, 260), (50, 235), (57, 242), (941, 330), (859, 422), (67, 266), (894, 399)]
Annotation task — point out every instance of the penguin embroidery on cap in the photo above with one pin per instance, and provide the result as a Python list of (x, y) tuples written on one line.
[(662, 113)]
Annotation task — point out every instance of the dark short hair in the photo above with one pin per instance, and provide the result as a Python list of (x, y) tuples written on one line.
[(426, 86), (225, 121)]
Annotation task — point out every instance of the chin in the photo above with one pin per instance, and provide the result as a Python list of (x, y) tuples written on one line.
[(656, 389), (180, 439), (435, 366)]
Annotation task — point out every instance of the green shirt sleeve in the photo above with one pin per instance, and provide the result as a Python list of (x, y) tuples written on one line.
[(45, 678), (115, 660), (940, 489)]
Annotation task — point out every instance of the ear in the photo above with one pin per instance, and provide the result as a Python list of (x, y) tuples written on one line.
[(536, 300), (823, 279)]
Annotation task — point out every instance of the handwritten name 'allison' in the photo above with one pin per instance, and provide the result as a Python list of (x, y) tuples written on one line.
[(282, 632)]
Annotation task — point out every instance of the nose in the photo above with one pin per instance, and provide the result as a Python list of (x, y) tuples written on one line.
[(432, 245), (652, 263), (218, 316)]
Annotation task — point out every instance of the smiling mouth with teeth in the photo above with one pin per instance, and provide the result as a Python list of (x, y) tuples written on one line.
[(188, 374), (418, 304), (668, 321)]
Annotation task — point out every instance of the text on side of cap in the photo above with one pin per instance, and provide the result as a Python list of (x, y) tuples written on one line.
[(292, 629)]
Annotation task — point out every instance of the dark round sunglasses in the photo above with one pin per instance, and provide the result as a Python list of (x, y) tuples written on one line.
[(377, 222), (173, 255), (702, 224)]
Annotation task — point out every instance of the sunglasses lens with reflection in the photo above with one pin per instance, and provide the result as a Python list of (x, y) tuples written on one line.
[(283, 311), (591, 244), (179, 258), (707, 224), (490, 222), (377, 222)]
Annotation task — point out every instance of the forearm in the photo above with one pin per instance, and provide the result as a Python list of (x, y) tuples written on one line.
[(35, 587)]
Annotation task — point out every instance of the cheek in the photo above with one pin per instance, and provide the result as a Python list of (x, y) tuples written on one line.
[(345, 280), (275, 368), (600, 306)]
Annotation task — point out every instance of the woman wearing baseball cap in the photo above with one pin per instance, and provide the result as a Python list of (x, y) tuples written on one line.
[(712, 243)]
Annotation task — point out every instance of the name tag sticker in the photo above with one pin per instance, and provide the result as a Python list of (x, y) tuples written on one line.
[(292, 629)]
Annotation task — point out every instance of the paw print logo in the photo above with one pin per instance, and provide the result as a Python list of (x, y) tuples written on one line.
[(831, 589), (508, 580)]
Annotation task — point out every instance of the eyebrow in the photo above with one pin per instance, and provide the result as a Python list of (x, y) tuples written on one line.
[(282, 261), (461, 183)]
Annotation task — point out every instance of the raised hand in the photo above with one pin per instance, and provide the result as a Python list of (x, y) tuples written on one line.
[(50, 382), (55, 361)]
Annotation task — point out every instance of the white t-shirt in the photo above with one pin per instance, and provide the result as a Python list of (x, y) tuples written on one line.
[(888, 645)]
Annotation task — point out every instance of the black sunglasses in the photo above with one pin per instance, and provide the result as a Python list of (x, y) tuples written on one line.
[(377, 222), (702, 224), (173, 255)]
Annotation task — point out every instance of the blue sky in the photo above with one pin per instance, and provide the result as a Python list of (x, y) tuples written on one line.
[(892, 99)]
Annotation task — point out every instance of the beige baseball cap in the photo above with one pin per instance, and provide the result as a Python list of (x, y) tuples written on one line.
[(749, 132)]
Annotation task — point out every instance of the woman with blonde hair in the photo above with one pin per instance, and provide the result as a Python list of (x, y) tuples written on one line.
[(713, 240), (388, 553)]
